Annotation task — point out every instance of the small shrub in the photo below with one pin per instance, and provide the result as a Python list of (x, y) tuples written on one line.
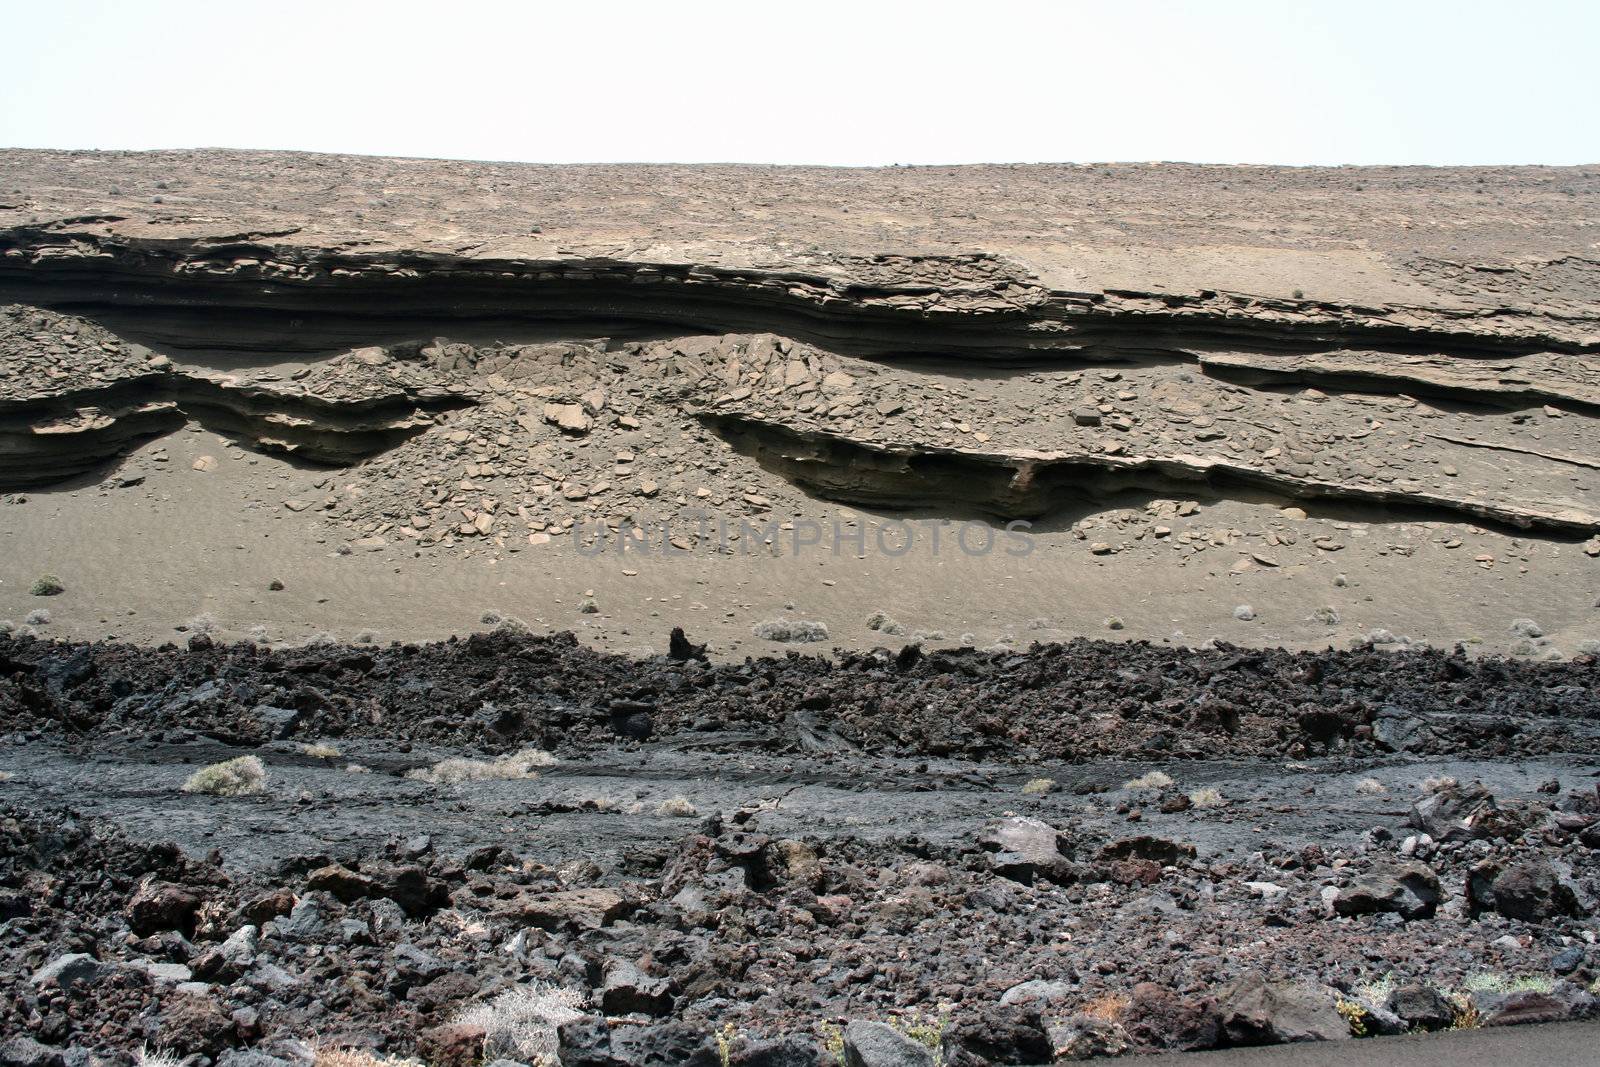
[(1206, 798), (1355, 1016), (523, 764), (790, 630), (927, 1032), (589, 607), (1149, 780), (1114, 622), (833, 1041), (204, 623), (1328, 616), (521, 1023), (230, 778), (366, 637), (725, 1038), (38, 617), (319, 750), (1110, 1007), (1494, 982), (1526, 628), (358, 1057), (1467, 1015), (144, 1057), (7, 626), (1371, 787), (1244, 613), (882, 623), (47, 585), (1038, 786), (678, 807)]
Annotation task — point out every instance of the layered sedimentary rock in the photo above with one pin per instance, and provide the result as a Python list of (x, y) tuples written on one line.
[(992, 368), (73, 397)]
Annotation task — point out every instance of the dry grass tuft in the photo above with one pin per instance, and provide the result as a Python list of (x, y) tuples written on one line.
[(359, 1057), (790, 630), (231, 778), (1149, 780), (678, 807), (1110, 1007), (523, 764), (521, 1023), (47, 585), (1038, 786), (1206, 798)]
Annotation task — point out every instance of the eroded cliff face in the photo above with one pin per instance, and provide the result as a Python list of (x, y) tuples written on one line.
[(957, 380)]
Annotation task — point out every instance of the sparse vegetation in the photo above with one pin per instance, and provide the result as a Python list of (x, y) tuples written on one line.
[(833, 1041), (144, 1056), (359, 1057), (790, 630), (1371, 787), (453, 771), (38, 617), (1206, 797), (1149, 780), (1467, 1015), (319, 750), (1375, 994), (47, 585), (1355, 1016), (1327, 615), (882, 623), (1244, 613), (725, 1038), (521, 1023), (230, 778), (203, 623), (1038, 786), (1108, 1008), (1114, 622), (1495, 982), (678, 807), (927, 1031)]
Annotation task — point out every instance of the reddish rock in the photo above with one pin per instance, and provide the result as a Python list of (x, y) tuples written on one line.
[(1158, 1018), (157, 906), (452, 1045), (193, 1023)]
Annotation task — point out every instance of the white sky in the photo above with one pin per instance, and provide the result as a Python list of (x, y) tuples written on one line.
[(814, 81)]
